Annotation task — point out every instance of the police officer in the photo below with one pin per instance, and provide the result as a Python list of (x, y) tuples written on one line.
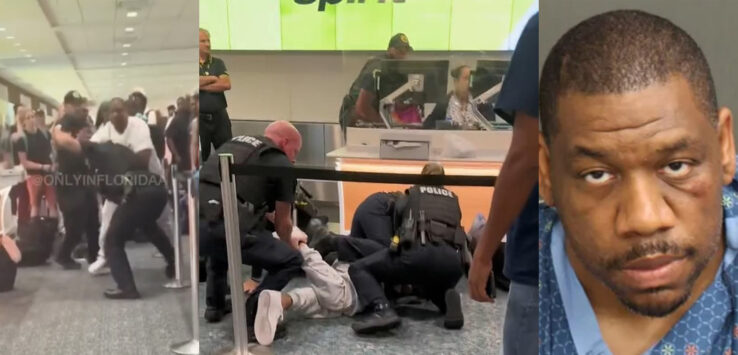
[(372, 227), (214, 124), (362, 102), (425, 252), (260, 198), (140, 195)]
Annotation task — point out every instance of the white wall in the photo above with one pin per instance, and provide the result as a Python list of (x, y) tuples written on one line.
[(305, 86)]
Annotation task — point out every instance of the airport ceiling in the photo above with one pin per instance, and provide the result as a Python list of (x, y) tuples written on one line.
[(103, 48)]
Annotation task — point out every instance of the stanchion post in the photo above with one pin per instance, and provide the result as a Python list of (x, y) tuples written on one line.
[(177, 282), (192, 347), (233, 243)]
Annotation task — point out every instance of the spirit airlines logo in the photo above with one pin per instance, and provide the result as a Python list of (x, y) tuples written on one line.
[(323, 3)]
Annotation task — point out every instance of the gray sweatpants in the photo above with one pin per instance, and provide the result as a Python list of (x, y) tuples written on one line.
[(331, 293)]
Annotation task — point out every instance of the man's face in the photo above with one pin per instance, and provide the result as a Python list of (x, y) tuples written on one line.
[(77, 109), (637, 179), (135, 105), (118, 113), (204, 43), (398, 53), (84, 135), (291, 148)]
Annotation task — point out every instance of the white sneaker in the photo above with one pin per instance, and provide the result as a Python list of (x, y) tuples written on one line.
[(99, 267), (269, 313)]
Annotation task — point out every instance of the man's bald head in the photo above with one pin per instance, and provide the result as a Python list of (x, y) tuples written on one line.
[(622, 51), (286, 137)]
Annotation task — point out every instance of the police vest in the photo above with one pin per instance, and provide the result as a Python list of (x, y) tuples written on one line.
[(245, 150), (433, 211)]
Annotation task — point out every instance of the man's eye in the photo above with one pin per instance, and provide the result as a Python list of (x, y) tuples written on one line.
[(597, 177), (677, 169)]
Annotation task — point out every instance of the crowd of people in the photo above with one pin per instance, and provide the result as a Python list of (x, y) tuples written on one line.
[(408, 243), (104, 179)]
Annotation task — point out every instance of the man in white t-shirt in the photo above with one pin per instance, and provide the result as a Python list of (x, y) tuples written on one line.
[(134, 134)]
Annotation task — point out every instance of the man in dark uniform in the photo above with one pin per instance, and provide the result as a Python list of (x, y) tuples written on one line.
[(260, 199), (77, 200), (425, 252), (141, 196), (374, 224), (362, 102), (214, 123), (514, 208)]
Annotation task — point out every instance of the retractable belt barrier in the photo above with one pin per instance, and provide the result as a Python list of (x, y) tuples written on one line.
[(177, 283), (360, 176), (191, 346), (230, 214)]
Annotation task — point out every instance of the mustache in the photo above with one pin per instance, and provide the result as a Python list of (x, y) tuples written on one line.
[(650, 248)]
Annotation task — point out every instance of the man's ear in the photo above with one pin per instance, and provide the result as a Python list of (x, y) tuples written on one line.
[(544, 171), (727, 145)]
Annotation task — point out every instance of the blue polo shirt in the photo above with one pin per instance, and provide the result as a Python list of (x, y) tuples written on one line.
[(567, 321), (520, 94)]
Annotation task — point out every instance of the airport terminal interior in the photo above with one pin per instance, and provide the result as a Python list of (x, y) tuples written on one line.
[(100, 50), (385, 101)]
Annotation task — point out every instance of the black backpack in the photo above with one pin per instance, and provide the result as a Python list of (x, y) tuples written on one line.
[(9, 270), (36, 240)]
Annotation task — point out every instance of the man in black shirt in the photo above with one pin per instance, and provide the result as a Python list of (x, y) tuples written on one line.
[(260, 199), (136, 104), (77, 198), (141, 197), (214, 123), (362, 102), (178, 138)]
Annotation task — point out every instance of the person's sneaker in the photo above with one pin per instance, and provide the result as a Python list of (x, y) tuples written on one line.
[(99, 267), (454, 317), (320, 238), (383, 317), (116, 294), (68, 264), (269, 313), (79, 253), (315, 230)]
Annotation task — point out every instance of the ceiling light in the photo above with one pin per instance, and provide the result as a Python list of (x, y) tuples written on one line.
[(124, 54), (23, 50), (17, 44), (10, 37), (28, 56), (2, 29), (129, 29), (33, 60), (123, 64), (131, 14), (126, 45)]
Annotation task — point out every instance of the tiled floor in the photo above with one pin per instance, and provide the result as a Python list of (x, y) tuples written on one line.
[(53, 311), (420, 333)]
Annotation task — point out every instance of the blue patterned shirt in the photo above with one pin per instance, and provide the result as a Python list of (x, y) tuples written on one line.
[(567, 322)]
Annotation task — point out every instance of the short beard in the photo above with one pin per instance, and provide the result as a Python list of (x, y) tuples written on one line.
[(652, 309)]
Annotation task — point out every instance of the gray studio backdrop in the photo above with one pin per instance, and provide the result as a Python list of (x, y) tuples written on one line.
[(712, 23)]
